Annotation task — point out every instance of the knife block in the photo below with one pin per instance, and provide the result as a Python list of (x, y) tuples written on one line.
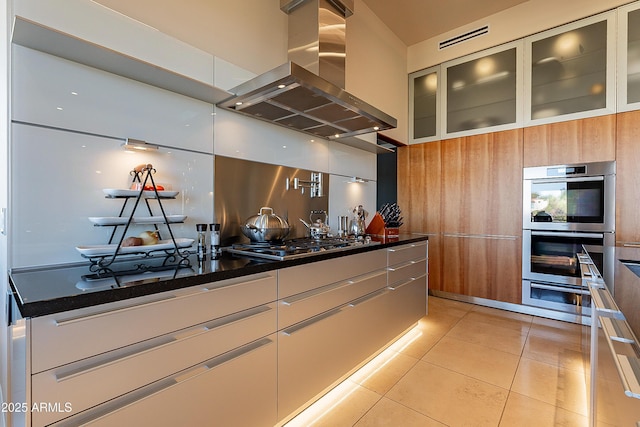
[(376, 226)]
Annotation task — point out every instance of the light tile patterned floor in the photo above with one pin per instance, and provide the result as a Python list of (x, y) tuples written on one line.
[(468, 365)]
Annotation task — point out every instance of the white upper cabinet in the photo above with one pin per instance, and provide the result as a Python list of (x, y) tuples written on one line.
[(424, 108), (483, 91), (570, 71), (629, 57)]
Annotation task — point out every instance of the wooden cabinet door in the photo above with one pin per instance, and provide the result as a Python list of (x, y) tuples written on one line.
[(483, 267), (628, 178), (419, 186), (574, 141), (482, 184)]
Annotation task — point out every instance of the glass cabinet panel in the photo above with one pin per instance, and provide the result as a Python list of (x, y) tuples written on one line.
[(482, 91), (633, 56), (423, 88), (571, 70)]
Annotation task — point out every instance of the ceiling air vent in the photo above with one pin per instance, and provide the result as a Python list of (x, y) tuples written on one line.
[(464, 37)]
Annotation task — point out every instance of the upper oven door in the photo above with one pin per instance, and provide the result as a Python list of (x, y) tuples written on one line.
[(570, 197)]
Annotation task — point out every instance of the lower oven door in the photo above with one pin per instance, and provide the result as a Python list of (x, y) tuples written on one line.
[(552, 256), (567, 298)]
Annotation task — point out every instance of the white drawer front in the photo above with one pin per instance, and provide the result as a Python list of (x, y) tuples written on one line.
[(298, 307), (404, 253), (305, 277), (66, 337), (406, 271), (237, 388), (314, 354), (141, 364)]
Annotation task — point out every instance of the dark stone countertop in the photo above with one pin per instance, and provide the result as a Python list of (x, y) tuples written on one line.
[(39, 291)]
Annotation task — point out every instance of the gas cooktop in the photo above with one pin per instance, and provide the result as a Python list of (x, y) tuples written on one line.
[(297, 248)]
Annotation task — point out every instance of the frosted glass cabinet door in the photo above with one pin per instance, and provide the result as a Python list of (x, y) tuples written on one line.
[(482, 91), (629, 59), (424, 93), (633, 57), (571, 69)]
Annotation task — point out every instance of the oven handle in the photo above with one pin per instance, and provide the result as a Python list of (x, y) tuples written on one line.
[(552, 180), (578, 234), (560, 289)]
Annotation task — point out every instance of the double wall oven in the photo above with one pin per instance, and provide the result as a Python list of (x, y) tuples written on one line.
[(566, 207)]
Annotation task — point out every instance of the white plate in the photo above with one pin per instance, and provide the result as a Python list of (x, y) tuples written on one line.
[(115, 192), (103, 250), (120, 220)]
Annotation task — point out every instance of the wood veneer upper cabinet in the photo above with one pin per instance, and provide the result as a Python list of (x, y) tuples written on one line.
[(575, 141), (419, 186), (628, 178), (482, 184)]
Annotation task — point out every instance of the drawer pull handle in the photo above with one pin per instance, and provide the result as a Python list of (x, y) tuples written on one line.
[(95, 315), (368, 297), (315, 292), (332, 287), (240, 280), (315, 319), (404, 248), (102, 361), (406, 264), (400, 285)]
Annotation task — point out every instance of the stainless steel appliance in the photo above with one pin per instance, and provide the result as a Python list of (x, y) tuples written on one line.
[(307, 92), (566, 207), (551, 271), (297, 248), (578, 197), (552, 256)]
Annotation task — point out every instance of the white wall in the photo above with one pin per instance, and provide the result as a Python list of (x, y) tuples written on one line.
[(377, 67), (511, 24), (69, 124)]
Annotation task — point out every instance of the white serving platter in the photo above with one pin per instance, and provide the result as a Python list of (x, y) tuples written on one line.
[(115, 192), (120, 220), (105, 250)]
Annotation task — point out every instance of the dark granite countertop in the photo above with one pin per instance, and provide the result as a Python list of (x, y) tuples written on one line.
[(46, 290)]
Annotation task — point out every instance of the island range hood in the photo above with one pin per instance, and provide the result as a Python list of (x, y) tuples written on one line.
[(306, 93)]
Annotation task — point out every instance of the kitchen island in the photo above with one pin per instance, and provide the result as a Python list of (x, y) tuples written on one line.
[(208, 340)]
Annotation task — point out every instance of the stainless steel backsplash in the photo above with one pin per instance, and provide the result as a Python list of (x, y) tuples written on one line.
[(242, 187)]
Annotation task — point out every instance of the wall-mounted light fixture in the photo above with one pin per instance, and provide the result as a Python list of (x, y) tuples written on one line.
[(138, 145), (355, 179)]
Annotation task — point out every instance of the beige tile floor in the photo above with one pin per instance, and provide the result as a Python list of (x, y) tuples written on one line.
[(468, 365)]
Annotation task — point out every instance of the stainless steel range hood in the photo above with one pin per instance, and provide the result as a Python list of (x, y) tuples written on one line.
[(306, 93)]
